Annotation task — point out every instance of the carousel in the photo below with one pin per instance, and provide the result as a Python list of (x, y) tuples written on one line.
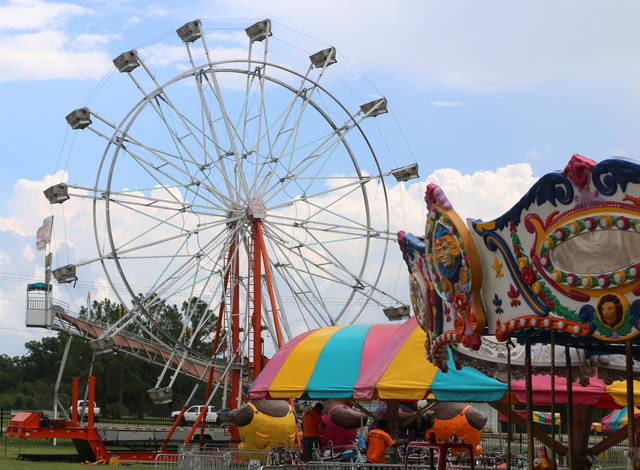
[(543, 298)]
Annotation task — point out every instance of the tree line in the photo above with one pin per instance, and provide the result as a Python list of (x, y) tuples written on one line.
[(27, 381)]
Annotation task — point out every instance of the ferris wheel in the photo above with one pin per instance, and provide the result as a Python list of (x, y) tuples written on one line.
[(245, 191)]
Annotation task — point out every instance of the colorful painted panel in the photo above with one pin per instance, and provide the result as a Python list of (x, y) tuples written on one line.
[(445, 276), (566, 256)]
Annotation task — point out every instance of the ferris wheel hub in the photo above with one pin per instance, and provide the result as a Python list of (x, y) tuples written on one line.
[(257, 209)]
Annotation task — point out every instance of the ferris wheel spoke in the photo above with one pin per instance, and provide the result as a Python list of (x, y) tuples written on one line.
[(277, 164), (303, 107), (232, 132), (283, 248), (150, 168), (316, 291), (328, 228), (347, 281), (299, 293), (161, 94), (292, 133), (219, 162), (127, 137), (133, 197), (325, 209), (329, 144), (261, 70), (147, 166), (152, 205), (174, 277), (361, 283), (328, 258), (121, 251), (179, 143)]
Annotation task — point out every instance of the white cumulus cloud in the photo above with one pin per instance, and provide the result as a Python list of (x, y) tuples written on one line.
[(47, 55), (483, 194), (36, 14)]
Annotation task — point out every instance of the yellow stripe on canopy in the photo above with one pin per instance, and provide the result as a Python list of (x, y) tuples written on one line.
[(409, 374), (618, 391), (292, 378)]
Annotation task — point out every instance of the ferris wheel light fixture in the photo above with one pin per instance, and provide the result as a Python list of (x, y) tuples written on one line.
[(375, 108), (324, 58), (259, 31), (127, 61), (65, 274), (396, 313), (57, 194), (79, 118), (190, 31), (405, 173)]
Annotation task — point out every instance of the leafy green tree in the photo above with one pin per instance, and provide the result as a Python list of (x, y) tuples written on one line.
[(27, 382)]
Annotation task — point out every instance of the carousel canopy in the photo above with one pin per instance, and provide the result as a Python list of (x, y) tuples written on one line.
[(367, 361)]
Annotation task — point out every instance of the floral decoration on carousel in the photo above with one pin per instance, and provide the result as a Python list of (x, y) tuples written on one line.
[(445, 261)]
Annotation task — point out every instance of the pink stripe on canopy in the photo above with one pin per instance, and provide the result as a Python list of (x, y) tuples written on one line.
[(595, 393), (380, 353), (261, 385)]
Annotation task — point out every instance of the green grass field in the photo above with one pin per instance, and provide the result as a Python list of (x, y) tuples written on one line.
[(10, 447)]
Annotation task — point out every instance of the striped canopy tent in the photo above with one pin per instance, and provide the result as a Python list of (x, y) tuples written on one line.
[(596, 393), (368, 361), (613, 421), (387, 361), (539, 417)]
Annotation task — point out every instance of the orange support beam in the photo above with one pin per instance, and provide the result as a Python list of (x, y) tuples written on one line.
[(272, 296), (176, 423), (235, 340), (92, 399), (256, 319), (74, 400)]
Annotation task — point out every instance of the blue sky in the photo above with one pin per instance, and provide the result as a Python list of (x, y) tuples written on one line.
[(474, 87)]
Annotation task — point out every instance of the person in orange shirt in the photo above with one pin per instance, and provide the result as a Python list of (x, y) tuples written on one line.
[(311, 427), (378, 440)]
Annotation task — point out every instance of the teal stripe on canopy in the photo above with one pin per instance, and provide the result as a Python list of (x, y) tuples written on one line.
[(466, 384), (338, 366)]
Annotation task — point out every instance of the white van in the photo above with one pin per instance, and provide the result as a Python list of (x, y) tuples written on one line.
[(192, 413)]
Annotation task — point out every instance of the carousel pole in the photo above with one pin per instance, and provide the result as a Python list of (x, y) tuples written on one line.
[(529, 390), (631, 422), (570, 456), (553, 397), (509, 430)]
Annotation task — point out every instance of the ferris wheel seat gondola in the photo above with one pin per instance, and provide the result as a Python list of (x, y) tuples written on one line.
[(191, 31), (127, 61), (259, 31), (79, 118), (397, 313), (406, 173), (57, 194), (375, 108), (65, 274), (102, 345), (160, 396), (324, 58)]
